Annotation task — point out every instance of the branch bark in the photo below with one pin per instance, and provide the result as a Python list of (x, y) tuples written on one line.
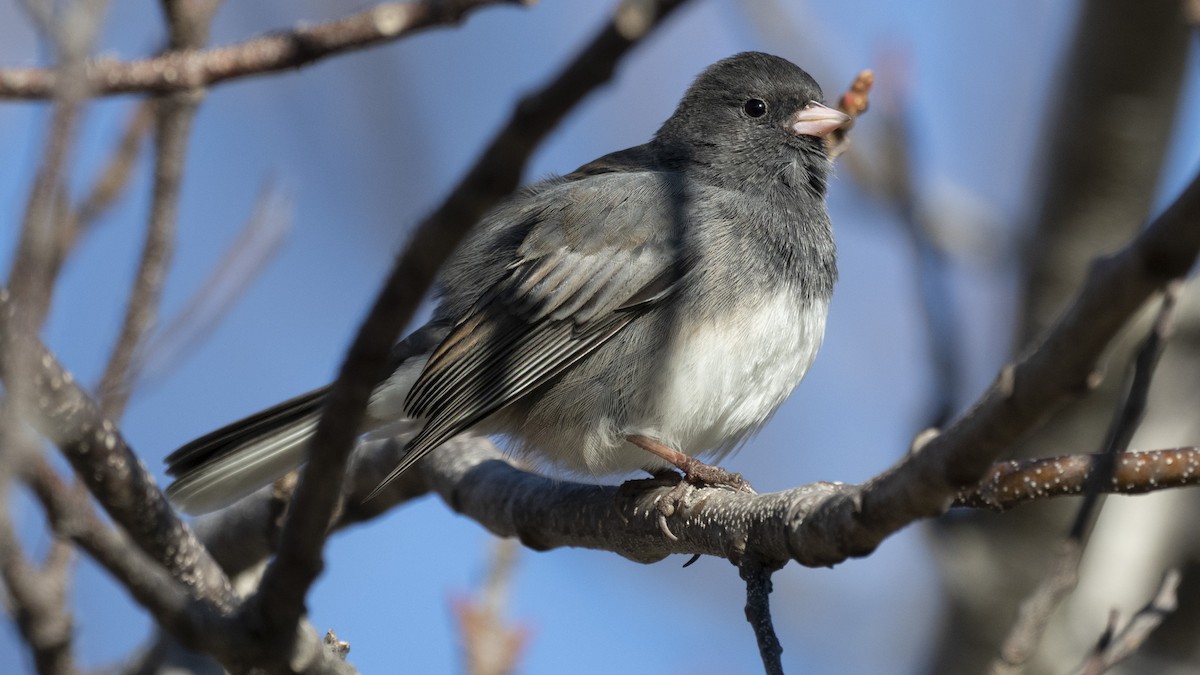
[(189, 69)]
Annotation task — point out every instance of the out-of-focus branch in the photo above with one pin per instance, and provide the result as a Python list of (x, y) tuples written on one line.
[(1063, 576), (108, 183), (189, 69), (29, 280), (246, 256), (1115, 646), (188, 23), (71, 516), (1017, 482), (37, 600), (491, 646), (280, 601)]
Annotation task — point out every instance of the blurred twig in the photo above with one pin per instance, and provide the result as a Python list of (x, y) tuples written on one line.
[(490, 645), (1016, 482), (246, 256), (1038, 608), (188, 22), (37, 600), (853, 102), (1115, 645), (185, 70), (107, 185)]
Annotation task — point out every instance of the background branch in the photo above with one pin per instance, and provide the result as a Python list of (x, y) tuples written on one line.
[(189, 26), (190, 69)]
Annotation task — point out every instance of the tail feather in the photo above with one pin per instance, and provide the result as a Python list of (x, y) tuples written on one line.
[(237, 459)]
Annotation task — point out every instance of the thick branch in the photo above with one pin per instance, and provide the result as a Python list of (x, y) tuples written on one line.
[(1056, 370), (58, 408), (192, 69)]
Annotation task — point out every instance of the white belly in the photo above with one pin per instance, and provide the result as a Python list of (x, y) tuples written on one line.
[(722, 381)]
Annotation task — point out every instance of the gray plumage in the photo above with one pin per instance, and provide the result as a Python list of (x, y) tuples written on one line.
[(677, 289)]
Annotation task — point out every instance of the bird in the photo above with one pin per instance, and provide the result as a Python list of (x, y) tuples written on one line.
[(654, 306)]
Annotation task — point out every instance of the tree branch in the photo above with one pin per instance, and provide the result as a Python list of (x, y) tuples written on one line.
[(184, 70), (1116, 646), (1063, 577), (758, 613), (1056, 370), (1016, 482), (37, 600), (189, 26), (62, 411)]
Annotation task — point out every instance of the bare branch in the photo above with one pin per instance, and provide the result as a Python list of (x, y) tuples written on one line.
[(1037, 609), (1054, 371), (192, 69), (758, 613), (29, 280), (490, 645), (37, 601), (198, 623), (111, 180), (189, 25), (1116, 646), (62, 411), (1016, 482)]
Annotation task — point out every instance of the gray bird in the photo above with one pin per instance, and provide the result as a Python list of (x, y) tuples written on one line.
[(667, 297)]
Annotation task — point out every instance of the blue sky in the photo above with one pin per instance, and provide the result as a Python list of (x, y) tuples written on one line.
[(363, 145)]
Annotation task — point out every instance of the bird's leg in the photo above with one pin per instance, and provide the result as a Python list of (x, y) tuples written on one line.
[(694, 471)]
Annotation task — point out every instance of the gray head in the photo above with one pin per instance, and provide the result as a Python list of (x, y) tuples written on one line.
[(752, 118)]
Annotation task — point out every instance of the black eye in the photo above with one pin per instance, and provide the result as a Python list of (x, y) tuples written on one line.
[(755, 107)]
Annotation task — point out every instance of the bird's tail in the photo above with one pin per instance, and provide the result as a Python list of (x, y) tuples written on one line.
[(227, 464), (221, 467)]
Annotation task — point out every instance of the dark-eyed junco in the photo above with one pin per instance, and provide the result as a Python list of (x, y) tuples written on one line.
[(673, 293)]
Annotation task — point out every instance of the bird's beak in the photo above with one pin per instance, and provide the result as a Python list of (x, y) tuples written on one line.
[(816, 119)]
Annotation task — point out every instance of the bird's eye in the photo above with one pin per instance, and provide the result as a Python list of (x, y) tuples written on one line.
[(755, 107)]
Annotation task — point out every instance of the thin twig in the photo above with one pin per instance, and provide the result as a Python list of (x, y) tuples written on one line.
[(1060, 581), (108, 184), (280, 51), (1012, 483), (189, 25), (854, 102), (491, 646), (37, 600), (758, 612), (259, 239), (1131, 408), (1116, 646)]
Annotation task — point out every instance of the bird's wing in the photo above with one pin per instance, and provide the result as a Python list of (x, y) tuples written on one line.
[(604, 250)]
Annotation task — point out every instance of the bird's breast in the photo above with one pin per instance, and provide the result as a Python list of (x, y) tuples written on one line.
[(723, 377)]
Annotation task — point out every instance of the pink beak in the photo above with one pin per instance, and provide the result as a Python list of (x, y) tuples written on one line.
[(816, 119)]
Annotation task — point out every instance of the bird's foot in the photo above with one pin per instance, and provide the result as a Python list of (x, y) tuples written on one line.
[(695, 472)]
